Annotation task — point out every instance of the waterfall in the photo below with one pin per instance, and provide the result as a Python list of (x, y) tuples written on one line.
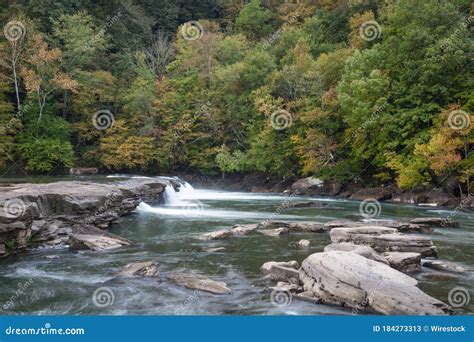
[(171, 197), (186, 191)]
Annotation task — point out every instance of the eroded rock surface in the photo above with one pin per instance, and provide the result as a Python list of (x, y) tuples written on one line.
[(142, 269), (346, 278), (200, 283)]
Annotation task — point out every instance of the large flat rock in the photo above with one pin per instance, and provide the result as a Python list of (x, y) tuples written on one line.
[(383, 239), (96, 242), (345, 278), (200, 283)]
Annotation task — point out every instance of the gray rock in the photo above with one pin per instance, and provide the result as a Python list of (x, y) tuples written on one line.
[(436, 221), (445, 266), (243, 229), (200, 283), (404, 262), (304, 243), (383, 239), (401, 226), (96, 242), (345, 278), (142, 269), (281, 271), (217, 235), (315, 186), (278, 232), (365, 251), (309, 227)]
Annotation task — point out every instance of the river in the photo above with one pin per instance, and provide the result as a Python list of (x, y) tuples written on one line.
[(59, 281)]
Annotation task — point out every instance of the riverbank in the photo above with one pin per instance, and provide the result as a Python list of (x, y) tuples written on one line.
[(312, 186)]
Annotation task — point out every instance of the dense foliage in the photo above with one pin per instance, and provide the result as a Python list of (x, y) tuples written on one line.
[(378, 91)]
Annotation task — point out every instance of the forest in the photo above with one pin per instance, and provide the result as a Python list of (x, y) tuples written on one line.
[(375, 91)]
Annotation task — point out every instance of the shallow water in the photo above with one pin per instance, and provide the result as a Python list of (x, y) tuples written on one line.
[(166, 234)]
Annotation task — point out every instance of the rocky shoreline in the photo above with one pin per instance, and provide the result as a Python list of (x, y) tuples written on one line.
[(312, 186), (69, 213)]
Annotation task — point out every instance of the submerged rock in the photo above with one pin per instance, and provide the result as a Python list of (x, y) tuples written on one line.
[(217, 235), (96, 242), (304, 243), (309, 227), (401, 226), (383, 239), (278, 232), (348, 279), (215, 250), (445, 266), (143, 269), (243, 229), (436, 221), (200, 283)]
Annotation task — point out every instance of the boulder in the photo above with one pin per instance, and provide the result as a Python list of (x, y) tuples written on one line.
[(281, 271), (200, 283), (304, 243), (445, 266), (315, 186), (383, 239), (309, 227), (142, 269), (365, 251), (436, 221), (278, 232), (243, 229), (404, 262), (96, 242), (377, 193), (345, 278), (216, 235)]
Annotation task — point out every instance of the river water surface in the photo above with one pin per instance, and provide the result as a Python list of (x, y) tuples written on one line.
[(59, 281)]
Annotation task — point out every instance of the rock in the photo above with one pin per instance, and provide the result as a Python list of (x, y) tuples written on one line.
[(143, 269), (304, 243), (315, 186), (436, 221), (281, 271), (309, 204), (404, 262), (46, 214), (278, 232), (83, 171), (444, 266), (200, 283), (215, 250), (365, 251), (217, 235), (96, 242), (401, 226), (284, 287), (345, 278), (378, 193), (383, 239), (243, 229), (309, 227)]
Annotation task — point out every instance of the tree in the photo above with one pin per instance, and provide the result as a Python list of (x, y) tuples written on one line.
[(255, 21)]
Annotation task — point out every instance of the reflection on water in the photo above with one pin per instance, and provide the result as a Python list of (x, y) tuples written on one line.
[(63, 282)]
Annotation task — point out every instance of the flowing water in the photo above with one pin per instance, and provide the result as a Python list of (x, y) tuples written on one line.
[(59, 281)]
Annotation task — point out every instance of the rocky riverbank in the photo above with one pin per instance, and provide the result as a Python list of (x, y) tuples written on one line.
[(73, 213), (312, 186)]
